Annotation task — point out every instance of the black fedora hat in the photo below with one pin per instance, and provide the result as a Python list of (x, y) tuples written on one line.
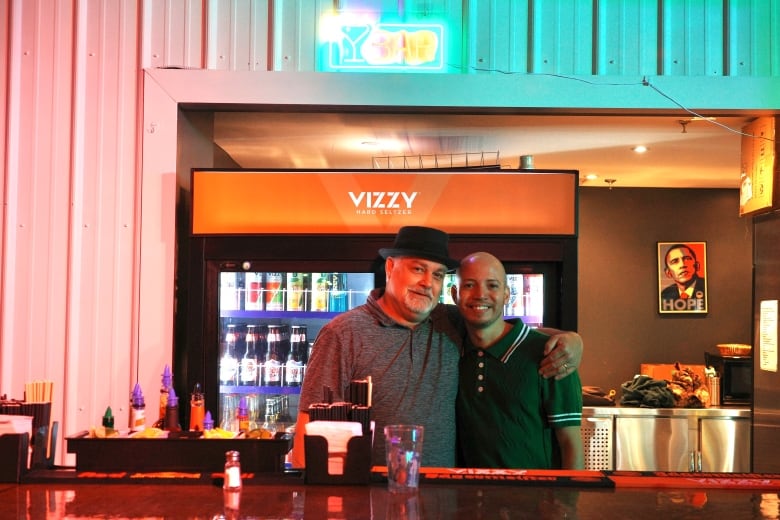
[(421, 242)]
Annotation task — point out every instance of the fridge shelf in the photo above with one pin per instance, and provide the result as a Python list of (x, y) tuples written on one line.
[(299, 315), (278, 314), (267, 390)]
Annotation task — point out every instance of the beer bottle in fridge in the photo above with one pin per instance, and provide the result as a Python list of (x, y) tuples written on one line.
[(262, 352), (248, 370), (228, 363), (294, 365), (274, 359), (303, 340), (284, 349)]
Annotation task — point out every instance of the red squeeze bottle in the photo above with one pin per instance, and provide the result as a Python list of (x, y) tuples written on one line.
[(197, 409)]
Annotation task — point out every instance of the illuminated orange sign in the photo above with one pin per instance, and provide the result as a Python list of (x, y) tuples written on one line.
[(468, 202), (361, 43)]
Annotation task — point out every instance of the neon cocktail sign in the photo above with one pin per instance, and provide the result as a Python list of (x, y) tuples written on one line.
[(383, 46)]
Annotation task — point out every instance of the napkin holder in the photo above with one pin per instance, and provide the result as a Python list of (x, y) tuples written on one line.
[(356, 463), (14, 451)]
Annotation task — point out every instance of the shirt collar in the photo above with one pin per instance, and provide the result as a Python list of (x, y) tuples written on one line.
[(519, 330)]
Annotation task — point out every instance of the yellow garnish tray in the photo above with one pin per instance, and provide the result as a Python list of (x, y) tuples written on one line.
[(185, 452)]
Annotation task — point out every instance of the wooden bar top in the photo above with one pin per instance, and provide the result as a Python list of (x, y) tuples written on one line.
[(691, 496)]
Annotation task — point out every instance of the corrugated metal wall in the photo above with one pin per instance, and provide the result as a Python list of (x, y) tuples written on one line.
[(577, 37), (625, 37), (69, 236), (87, 243)]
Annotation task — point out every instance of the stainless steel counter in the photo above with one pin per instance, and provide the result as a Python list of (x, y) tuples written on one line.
[(632, 411), (667, 439)]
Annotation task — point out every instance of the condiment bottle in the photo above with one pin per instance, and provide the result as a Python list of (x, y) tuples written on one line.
[(197, 408), (137, 410), (171, 422), (242, 414), (167, 382), (208, 422), (232, 471), (108, 421)]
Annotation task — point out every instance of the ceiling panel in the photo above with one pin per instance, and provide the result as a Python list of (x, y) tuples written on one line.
[(682, 152)]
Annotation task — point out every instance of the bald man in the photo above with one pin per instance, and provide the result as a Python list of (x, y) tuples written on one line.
[(508, 415)]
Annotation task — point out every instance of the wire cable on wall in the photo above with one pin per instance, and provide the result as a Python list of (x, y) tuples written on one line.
[(645, 83)]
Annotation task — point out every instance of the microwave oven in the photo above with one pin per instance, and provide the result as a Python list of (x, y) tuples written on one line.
[(736, 377)]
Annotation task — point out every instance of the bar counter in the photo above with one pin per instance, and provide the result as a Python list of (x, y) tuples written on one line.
[(571, 495)]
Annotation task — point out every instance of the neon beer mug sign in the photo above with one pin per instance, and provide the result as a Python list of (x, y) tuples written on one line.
[(385, 47)]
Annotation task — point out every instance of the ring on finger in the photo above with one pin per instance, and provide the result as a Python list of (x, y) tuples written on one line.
[(565, 367)]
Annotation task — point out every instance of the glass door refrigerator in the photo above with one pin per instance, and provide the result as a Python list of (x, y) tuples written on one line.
[(251, 303), (265, 325)]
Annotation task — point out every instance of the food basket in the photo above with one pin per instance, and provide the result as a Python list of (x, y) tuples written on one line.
[(734, 349)]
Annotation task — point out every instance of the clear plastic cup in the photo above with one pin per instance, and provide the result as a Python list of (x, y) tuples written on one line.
[(404, 445)]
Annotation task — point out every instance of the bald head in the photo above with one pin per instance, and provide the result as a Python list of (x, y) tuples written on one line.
[(483, 261)]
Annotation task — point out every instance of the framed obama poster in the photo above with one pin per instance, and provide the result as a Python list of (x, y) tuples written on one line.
[(682, 277)]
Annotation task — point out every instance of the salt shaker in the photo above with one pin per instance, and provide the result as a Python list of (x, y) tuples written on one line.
[(232, 471)]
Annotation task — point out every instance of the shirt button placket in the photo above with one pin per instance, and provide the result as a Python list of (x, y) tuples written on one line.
[(480, 372)]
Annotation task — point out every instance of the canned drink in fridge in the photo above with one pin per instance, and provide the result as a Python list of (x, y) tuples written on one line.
[(274, 292), (337, 298), (320, 286), (533, 297), (450, 281), (229, 291), (254, 291), (307, 294), (295, 300), (514, 306)]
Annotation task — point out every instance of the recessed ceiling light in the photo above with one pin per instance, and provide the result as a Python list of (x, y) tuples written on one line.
[(591, 176), (380, 144), (640, 148)]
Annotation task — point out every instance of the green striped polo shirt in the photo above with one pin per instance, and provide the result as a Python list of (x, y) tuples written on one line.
[(506, 411)]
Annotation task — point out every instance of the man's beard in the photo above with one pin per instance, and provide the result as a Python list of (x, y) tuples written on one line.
[(418, 304)]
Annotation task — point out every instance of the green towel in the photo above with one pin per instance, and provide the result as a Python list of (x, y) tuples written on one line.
[(646, 392)]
